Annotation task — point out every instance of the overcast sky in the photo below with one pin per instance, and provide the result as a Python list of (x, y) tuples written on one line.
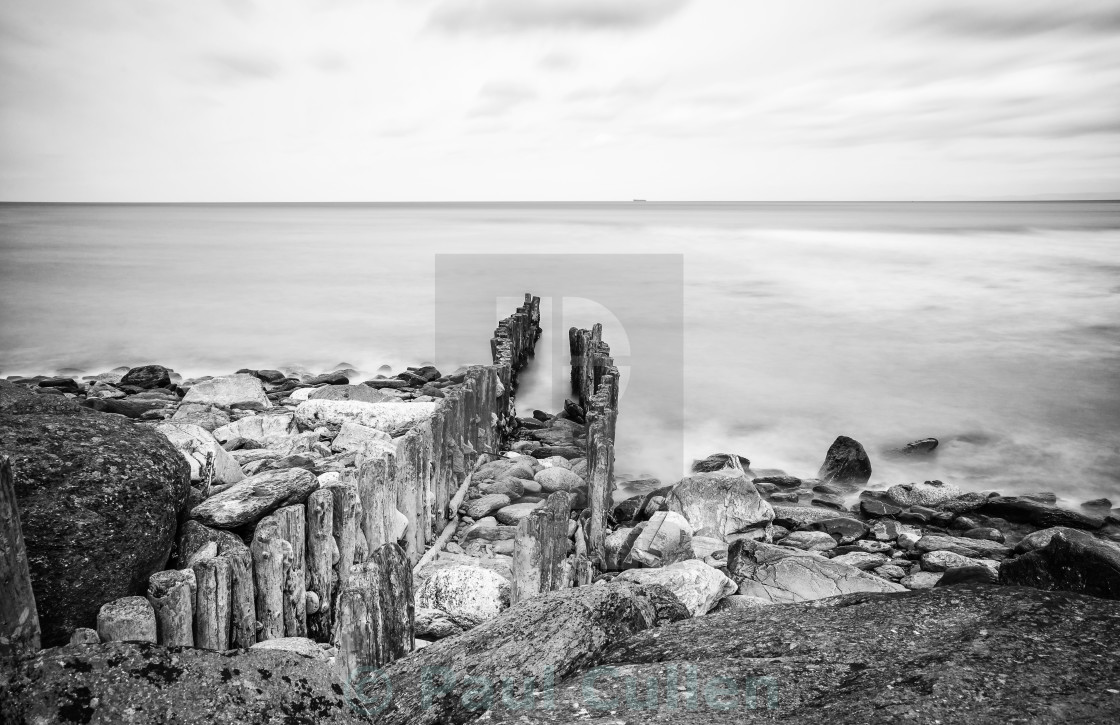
[(386, 100)]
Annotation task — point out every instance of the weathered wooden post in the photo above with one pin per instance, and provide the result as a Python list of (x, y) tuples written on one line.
[(171, 594), (322, 557), (540, 548), (242, 598), (272, 558), (292, 521), (346, 526), (19, 619), (375, 620), (212, 603)]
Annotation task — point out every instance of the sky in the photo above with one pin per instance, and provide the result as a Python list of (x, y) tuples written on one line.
[(448, 100)]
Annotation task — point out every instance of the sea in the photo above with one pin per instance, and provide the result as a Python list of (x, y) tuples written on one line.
[(991, 326)]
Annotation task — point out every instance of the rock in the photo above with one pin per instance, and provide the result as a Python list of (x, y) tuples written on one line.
[(1071, 561), (964, 503), (193, 536), (877, 509), (1025, 509), (698, 586), (1039, 539), (85, 635), (908, 539), (942, 560), (204, 416), (511, 515), (385, 383), (930, 493), (254, 497), (795, 516), (469, 594), (875, 547), (558, 479), (147, 376), (890, 571), (666, 539), (915, 449), (438, 624), (720, 462), (99, 499), (355, 437), (486, 505), (362, 393), (557, 461), (984, 532), (64, 385), (128, 619), (843, 529), (626, 511), (861, 560), (809, 541), (512, 487), (781, 481), (921, 580), (616, 547), (741, 601), (331, 378), (137, 682), (388, 417), (845, 463), (726, 502), (259, 428), (964, 547), (300, 646), (780, 574), (784, 497), (970, 574), (197, 445), (231, 391)]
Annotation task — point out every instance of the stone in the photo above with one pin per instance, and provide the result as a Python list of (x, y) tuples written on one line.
[(557, 461), (332, 378), (204, 416), (964, 503), (616, 547), (486, 505), (780, 481), (362, 393), (809, 540), (741, 601), (781, 575), (197, 445), (720, 462), (890, 571), (971, 574), (301, 646), (512, 487), (99, 499), (85, 635), (930, 493), (259, 428), (984, 532), (511, 515), (829, 501), (1070, 561), (438, 624), (726, 502), (698, 586), (627, 510), (231, 391), (254, 497), (877, 509), (388, 417), (794, 516), (921, 580), (128, 619), (469, 594), (555, 479), (1039, 539), (845, 530), (915, 449), (666, 539), (908, 539), (846, 462), (942, 560), (360, 438), (136, 682), (1040, 514), (147, 376), (861, 560), (964, 547)]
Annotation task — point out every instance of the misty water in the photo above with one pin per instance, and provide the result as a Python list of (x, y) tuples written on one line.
[(994, 327)]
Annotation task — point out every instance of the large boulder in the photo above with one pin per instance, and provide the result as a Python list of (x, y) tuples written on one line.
[(259, 428), (363, 393), (930, 493), (845, 463), (720, 462), (197, 445), (99, 499), (388, 417), (1038, 539), (231, 391), (133, 682), (469, 594), (256, 496), (1072, 561), (555, 479), (665, 539), (147, 376), (1021, 508), (725, 502), (699, 587), (780, 574)]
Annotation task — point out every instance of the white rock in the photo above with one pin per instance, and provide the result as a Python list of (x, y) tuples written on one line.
[(725, 502), (259, 428), (558, 479), (923, 494), (196, 443), (698, 586), (231, 391), (467, 593), (301, 394), (922, 580), (400, 525), (353, 437), (665, 539), (783, 575), (326, 479), (382, 416)]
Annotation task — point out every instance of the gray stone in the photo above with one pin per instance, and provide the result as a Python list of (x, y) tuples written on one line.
[(780, 574), (698, 586), (254, 497), (930, 493), (725, 502), (231, 391)]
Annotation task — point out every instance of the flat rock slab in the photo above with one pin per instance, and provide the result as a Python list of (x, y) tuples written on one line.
[(126, 682), (784, 575), (699, 587), (231, 391), (254, 497), (259, 428), (981, 655), (794, 516), (382, 416)]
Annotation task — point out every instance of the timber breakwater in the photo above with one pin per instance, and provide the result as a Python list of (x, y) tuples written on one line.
[(272, 546)]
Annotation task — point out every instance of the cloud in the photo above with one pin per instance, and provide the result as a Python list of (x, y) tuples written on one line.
[(329, 62), (498, 99), (1023, 20), (235, 68), (557, 61), (527, 15)]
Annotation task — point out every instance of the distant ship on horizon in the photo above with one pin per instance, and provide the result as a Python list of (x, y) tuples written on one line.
[(639, 199)]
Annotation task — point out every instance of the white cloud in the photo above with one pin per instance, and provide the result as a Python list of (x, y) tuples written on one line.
[(519, 15)]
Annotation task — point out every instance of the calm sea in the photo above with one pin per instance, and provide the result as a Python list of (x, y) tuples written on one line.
[(994, 327)]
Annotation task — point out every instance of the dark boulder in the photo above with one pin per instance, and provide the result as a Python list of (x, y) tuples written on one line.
[(135, 682), (1024, 508), (66, 385), (967, 575), (574, 411), (99, 499), (878, 509), (626, 511), (270, 376), (1097, 503), (328, 379), (1073, 561), (720, 461), (914, 449), (147, 376), (845, 463)]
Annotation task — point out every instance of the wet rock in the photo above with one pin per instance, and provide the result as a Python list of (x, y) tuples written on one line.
[(362, 393), (930, 493), (573, 410), (698, 586), (1039, 539), (721, 461), (964, 503), (254, 497), (231, 391), (626, 511), (1097, 503), (469, 594), (915, 449), (204, 416), (984, 532), (846, 462), (1021, 508), (486, 505), (332, 378), (147, 376), (780, 574), (827, 501), (1071, 561), (99, 499), (942, 560), (511, 515), (781, 481), (370, 442), (726, 502), (878, 509), (968, 575)]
